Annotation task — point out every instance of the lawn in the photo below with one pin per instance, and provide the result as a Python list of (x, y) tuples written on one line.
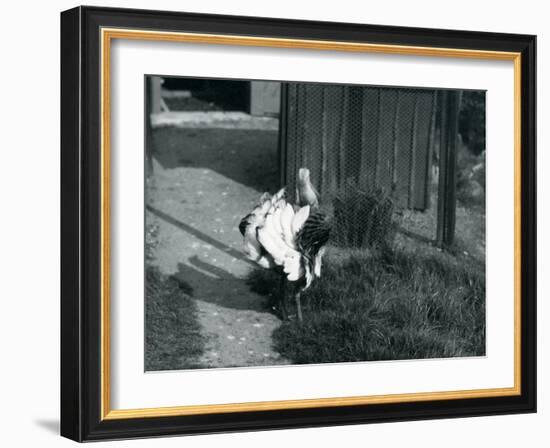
[(173, 338), (385, 305)]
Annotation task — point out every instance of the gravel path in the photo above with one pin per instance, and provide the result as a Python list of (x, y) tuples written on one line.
[(198, 211)]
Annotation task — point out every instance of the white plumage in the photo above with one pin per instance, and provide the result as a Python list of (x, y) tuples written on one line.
[(270, 234), (292, 237)]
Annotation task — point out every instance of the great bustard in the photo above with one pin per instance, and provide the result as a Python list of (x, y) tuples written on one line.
[(288, 237)]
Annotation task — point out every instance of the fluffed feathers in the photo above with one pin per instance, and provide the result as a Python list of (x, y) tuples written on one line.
[(311, 241), (248, 228), (276, 233), (277, 236)]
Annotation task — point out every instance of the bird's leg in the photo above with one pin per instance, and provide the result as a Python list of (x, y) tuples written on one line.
[(298, 305), (282, 295)]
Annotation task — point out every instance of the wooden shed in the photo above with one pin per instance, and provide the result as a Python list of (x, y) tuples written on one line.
[(371, 137)]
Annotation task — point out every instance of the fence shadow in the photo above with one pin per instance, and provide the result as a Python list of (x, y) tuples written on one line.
[(216, 285), (200, 235), (212, 283)]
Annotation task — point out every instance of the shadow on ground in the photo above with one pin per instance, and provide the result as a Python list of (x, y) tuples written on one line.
[(212, 283), (205, 181), (200, 235), (249, 157), (216, 285)]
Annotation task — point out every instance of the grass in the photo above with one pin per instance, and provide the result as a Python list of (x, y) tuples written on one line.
[(386, 305), (173, 339), (151, 240)]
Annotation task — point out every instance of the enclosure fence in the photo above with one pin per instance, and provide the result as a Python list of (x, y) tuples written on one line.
[(378, 157)]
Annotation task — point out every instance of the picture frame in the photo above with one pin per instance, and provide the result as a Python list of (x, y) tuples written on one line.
[(86, 210)]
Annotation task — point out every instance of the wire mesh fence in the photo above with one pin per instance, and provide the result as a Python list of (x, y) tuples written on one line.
[(388, 162), (371, 152)]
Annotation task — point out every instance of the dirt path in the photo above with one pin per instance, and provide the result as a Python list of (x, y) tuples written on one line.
[(198, 211)]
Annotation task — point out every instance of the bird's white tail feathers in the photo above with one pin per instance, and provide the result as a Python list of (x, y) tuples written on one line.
[(278, 196), (287, 215), (269, 238), (251, 245)]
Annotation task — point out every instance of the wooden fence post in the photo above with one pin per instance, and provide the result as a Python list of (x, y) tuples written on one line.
[(283, 132), (446, 201), (156, 96), (152, 105)]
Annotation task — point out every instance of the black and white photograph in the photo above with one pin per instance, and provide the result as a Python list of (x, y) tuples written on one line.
[(293, 223)]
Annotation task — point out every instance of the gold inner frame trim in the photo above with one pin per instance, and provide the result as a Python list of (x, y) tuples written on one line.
[(107, 35)]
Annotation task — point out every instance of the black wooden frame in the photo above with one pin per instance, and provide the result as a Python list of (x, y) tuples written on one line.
[(80, 224)]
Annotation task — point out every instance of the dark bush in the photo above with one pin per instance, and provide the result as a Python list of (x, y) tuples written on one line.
[(363, 218), (471, 123)]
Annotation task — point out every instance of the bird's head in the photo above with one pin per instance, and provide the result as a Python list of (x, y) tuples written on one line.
[(303, 175)]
